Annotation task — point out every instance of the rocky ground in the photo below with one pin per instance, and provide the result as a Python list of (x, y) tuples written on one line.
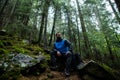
[(52, 75)]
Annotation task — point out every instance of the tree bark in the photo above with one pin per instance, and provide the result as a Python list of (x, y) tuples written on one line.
[(118, 4), (11, 13), (78, 34), (116, 14), (45, 30), (117, 37), (3, 7), (53, 28), (109, 49), (69, 25), (1, 14), (43, 20)]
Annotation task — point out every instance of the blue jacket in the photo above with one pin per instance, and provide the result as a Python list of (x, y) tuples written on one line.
[(62, 45)]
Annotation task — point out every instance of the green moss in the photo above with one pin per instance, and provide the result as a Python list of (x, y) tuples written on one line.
[(3, 51), (1, 43), (34, 48), (47, 56), (4, 43), (111, 71), (11, 75), (18, 46), (35, 61), (44, 64), (107, 68), (20, 50)]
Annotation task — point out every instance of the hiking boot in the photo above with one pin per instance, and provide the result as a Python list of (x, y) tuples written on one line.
[(67, 73), (53, 67)]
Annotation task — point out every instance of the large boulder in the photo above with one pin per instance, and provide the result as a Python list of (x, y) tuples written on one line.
[(25, 64), (94, 71)]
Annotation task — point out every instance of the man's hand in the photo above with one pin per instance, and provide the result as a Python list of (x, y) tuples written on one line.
[(58, 53)]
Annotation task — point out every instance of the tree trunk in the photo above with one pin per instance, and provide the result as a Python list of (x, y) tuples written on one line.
[(1, 13), (3, 7), (41, 28), (109, 49), (118, 4), (45, 30), (86, 41), (11, 13), (78, 34), (53, 28), (117, 37), (117, 16), (43, 20), (74, 42), (102, 30), (69, 25), (33, 34)]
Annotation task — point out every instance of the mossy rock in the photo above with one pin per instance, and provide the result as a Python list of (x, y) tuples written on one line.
[(22, 64), (98, 72), (11, 75), (35, 70)]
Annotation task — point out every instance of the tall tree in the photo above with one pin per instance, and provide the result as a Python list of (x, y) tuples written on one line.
[(11, 13), (69, 21), (118, 4), (78, 33), (45, 29), (102, 25), (53, 27), (86, 41), (45, 9), (3, 7), (1, 12), (115, 12)]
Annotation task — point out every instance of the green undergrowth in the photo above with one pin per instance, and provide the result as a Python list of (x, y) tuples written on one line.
[(11, 75), (12, 44)]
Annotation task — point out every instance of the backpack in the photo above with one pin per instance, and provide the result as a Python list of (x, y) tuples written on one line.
[(76, 60)]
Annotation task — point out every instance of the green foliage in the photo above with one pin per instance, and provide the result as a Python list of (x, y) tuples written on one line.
[(3, 51), (90, 1), (1, 43), (18, 46), (19, 50), (11, 75)]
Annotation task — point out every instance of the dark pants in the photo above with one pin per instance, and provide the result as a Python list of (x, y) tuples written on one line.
[(67, 57)]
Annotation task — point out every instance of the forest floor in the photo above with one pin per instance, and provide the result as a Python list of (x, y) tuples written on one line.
[(52, 75)]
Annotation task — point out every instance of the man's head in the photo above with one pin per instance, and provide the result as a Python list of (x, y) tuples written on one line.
[(58, 34)]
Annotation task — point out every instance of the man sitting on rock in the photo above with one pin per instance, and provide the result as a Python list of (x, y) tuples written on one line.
[(62, 50)]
